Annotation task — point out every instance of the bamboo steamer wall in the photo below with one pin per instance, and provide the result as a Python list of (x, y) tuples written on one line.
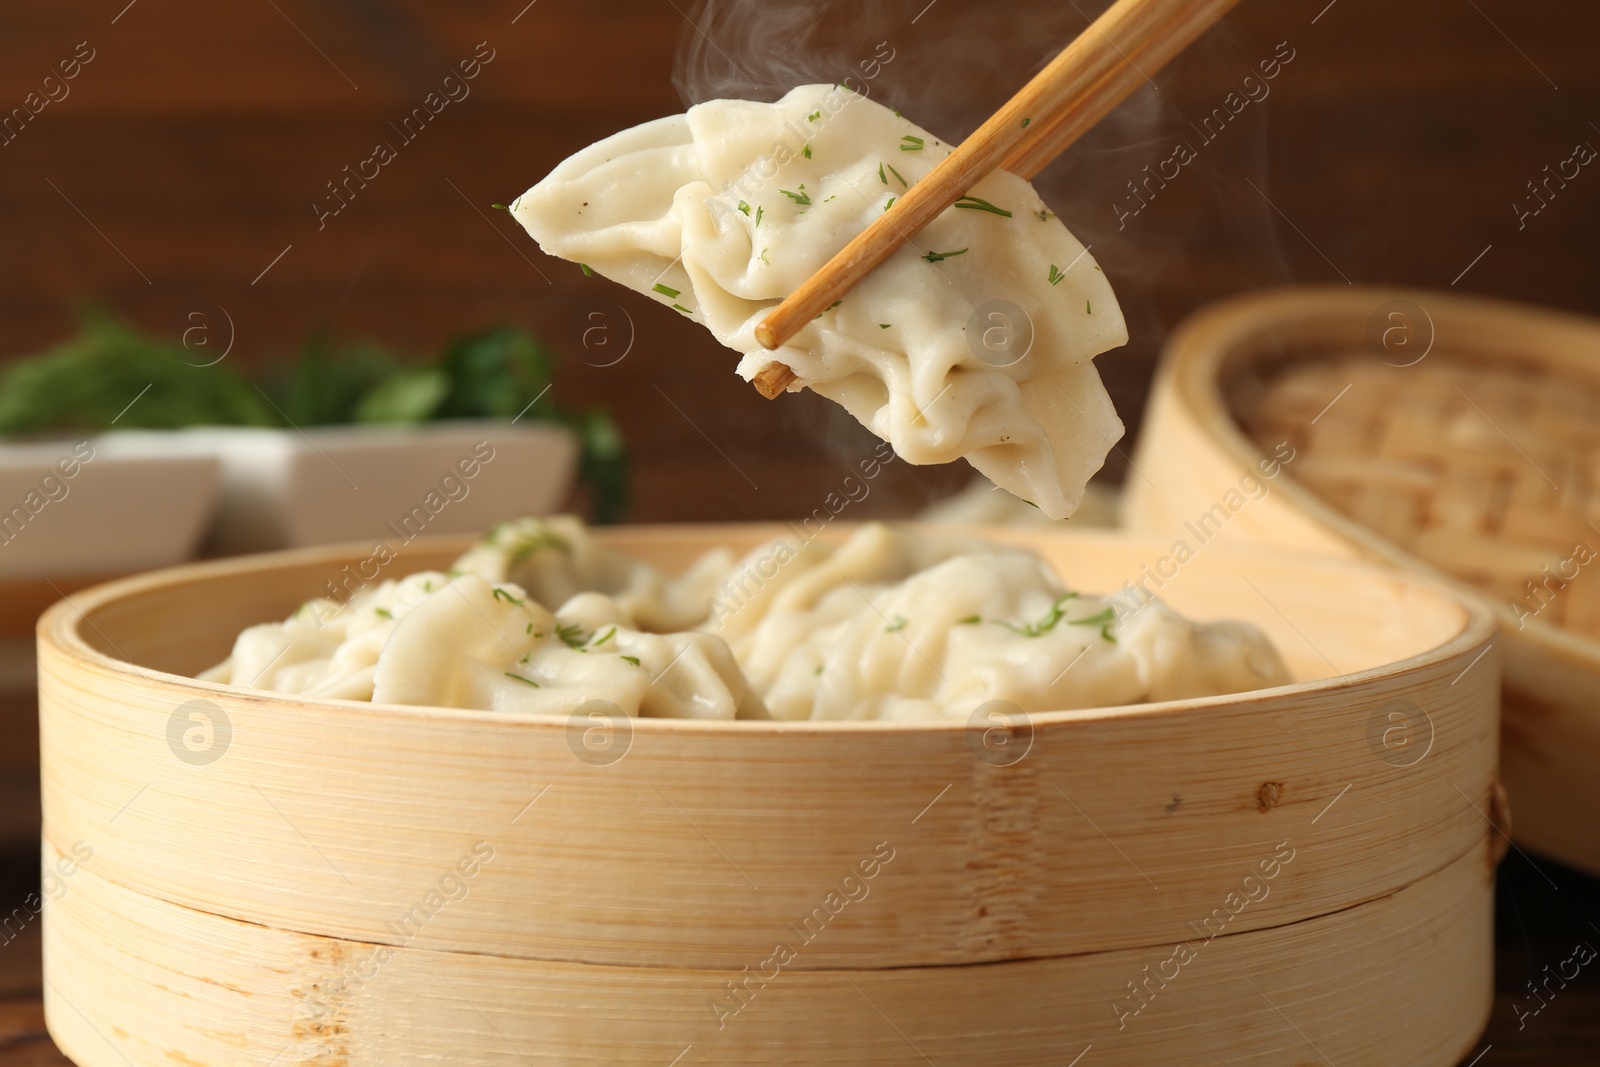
[(1194, 451), (973, 895)]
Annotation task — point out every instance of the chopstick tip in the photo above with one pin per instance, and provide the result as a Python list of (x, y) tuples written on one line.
[(766, 336)]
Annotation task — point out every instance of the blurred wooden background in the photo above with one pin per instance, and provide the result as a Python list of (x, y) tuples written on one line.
[(189, 151)]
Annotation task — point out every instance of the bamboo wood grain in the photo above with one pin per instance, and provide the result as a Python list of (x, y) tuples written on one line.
[(707, 839), (135, 980), (1116, 54), (1193, 449)]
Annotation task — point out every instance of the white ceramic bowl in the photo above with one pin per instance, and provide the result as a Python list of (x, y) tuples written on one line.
[(100, 505), (288, 488)]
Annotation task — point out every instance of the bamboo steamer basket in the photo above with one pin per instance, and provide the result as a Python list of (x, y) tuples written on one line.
[(1433, 432), (339, 883)]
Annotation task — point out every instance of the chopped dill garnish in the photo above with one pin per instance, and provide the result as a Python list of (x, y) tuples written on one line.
[(882, 177), (883, 325), (526, 544), (1055, 275), (1045, 624), (913, 144), (683, 309), (571, 635), (895, 627), (499, 207), (1025, 122), (427, 586), (1105, 620), (383, 613), (975, 204), (764, 257), (818, 670), (524, 681), (970, 620), (759, 210), (835, 196), (501, 594), (529, 630), (632, 659), (899, 178), (801, 198), (664, 290), (608, 636), (827, 309), (940, 257), (805, 150), (744, 207), (1087, 309), (890, 204), (814, 116), (588, 272), (1043, 215)]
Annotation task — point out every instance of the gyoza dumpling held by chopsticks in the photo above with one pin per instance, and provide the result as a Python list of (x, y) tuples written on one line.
[(975, 339)]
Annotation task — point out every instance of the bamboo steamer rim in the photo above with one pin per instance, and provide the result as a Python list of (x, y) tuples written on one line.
[(61, 628), (1224, 338)]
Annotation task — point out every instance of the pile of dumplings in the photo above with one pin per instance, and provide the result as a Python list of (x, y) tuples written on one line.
[(539, 618)]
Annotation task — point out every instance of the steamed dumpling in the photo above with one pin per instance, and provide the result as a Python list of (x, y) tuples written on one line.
[(478, 645), (555, 559), (722, 212), (887, 626)]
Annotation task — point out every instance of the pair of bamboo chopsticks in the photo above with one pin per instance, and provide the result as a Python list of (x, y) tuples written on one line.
[(1128, 43)]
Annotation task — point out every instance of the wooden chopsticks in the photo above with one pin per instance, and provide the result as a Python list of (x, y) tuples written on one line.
[(1118, 52)]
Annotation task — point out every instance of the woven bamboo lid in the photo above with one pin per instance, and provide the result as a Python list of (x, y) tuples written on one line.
[(1432, 431)]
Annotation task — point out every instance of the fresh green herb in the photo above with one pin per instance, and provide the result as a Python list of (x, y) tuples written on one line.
[(529, 630), (818, 670), (975, 204), (970, 620), (833, 197), (1055, 275), (680, 307), (883, 325), (608, 636), (383, 613), (524, 681), (805, 150), (524, 543), (896, 626), (882, 177), (499, 207), (501, 594), (912, 144), (1087, 309), (890, 204), (1025, 122), (827, 309), (764, 257), (632, 659), (940, 257), (801, 198), (1042, 215), (1097, 619), (899, 178), (814, 116), (571, 635), (744, 207), (587, 271), (664, 290), (1045, 624), (759, 210), (427, 586)]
